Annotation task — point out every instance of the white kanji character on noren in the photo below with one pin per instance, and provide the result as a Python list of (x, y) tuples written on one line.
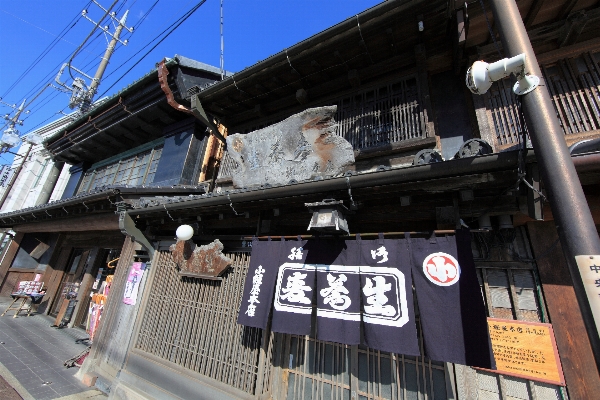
[(296, 253), (255, 290), (376, 298), (295, 290), (380, 252), (335, 294)]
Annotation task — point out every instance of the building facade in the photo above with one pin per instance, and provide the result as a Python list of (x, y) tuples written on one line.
[(428, 156)]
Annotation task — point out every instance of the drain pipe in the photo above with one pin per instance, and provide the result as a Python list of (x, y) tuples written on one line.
[(574, 222)]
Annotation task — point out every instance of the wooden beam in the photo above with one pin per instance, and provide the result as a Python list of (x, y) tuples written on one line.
[(567, 8), (338, 55), (535, 8), (317, 67), (354, 78), (591, 45), (101, 222), (121, 138), (392, 41), (460, 39), (572, 341), (572, 29)]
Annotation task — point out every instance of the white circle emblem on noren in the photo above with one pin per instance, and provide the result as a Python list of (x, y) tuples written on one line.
[(441, 269)]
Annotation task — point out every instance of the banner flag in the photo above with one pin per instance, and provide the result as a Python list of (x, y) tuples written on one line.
[(388, 312), (295, 288), (260, 284), (450, 302), (338, 293)]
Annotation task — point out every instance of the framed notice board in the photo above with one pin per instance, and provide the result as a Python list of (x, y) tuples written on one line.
[(526, 350)]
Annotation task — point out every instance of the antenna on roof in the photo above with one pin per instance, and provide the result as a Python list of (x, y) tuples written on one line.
[(222, 45)]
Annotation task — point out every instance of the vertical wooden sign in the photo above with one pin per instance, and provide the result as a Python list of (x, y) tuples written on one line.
[(526, 350)]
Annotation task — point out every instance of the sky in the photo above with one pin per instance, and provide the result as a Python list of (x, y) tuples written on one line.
[(38, 36)]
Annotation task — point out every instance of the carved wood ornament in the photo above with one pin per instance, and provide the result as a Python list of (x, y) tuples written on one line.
[(206, 262)]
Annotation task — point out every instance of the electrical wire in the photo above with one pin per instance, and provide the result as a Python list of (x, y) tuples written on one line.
[(108, 10), (172, 28), (45, 52)]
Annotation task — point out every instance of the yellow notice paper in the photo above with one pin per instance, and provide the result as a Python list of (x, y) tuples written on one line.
[(526, 349)]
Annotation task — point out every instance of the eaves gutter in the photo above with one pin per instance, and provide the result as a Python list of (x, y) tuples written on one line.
[(311, 42), (105, 194), (481, 164)]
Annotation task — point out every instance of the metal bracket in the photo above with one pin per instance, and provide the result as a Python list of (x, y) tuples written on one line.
[(127, 227), (198, 112)]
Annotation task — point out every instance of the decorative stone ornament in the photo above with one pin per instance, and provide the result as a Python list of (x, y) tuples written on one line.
[(206, 262), (298, 148)]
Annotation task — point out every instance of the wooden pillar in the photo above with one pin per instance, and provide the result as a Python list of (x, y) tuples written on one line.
[(85, 285), (574, 347), (11, 253), (423, 79), (487, 131), (53, 277)]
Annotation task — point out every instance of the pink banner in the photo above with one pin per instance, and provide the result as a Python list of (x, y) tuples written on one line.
[(133, 283)]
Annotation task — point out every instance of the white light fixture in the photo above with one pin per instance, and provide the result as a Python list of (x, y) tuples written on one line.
[(328, 217), (184, 232), (481, 75)]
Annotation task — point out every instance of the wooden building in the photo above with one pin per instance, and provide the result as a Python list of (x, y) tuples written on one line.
[(396, 74), (136, 145)]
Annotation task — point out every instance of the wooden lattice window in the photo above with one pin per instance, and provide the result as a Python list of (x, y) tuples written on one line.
[(573, 83), (135, 170), (381, 115)]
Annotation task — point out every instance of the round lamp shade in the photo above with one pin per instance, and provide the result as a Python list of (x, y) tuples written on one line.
[(184, 232)]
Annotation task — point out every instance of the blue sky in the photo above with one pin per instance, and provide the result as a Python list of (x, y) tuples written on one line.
[(253, 30)]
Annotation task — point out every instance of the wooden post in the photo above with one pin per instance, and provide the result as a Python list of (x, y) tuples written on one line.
[(11, 253), (53, 278), (86, 285), (422, 77), (571, 337)]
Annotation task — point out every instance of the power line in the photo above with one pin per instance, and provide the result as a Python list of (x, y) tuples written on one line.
[(43, 54), (174, 26), (108, 10)]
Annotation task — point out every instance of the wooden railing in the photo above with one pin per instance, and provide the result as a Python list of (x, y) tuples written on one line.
[(574, 85)]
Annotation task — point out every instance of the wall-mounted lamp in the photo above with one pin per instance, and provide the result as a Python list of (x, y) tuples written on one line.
[(184, 232), (481, 75), (328, 217)]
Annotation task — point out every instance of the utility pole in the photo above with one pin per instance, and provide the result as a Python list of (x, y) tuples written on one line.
[(11, 133), (10, 137), (574, 222), (82, 95)]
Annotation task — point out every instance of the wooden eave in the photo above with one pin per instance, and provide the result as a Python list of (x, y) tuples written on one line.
[(384, 46)]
